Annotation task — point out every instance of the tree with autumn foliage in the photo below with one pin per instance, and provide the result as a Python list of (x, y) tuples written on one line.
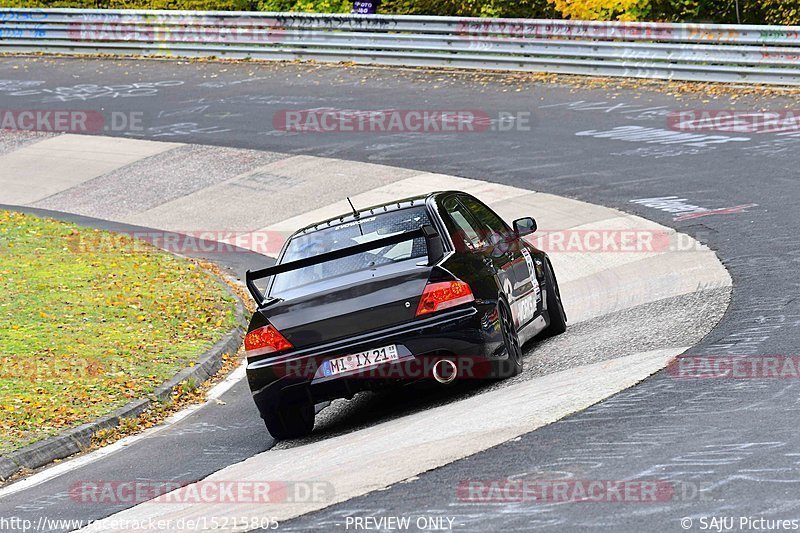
[(720, 11), (603, 9)]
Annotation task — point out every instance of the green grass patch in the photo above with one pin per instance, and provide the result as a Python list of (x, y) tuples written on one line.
[(90, 320)]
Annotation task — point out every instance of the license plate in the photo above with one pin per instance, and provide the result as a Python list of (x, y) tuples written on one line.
[(360, 360)]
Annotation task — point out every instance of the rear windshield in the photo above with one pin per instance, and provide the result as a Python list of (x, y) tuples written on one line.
[(369, 228)]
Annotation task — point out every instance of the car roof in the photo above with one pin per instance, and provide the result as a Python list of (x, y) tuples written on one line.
[(411, 201)]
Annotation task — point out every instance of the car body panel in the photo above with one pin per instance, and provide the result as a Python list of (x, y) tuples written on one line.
[(376, 306)]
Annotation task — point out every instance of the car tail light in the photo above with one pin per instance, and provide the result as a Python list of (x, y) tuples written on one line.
[(265, 340), (443, 295)]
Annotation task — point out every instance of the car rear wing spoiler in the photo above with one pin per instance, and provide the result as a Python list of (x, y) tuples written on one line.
[(432, 241)]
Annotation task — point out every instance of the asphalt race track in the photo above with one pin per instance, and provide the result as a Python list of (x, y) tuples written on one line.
[(631, 312), (731, 444)]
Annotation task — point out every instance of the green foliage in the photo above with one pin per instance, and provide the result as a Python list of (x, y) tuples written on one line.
[(306, 6), (779, 11), (675, 10), (472, 8), (750, 11), (191, 5), (189, 385), (724, 11), (200, 5), (721, 11)]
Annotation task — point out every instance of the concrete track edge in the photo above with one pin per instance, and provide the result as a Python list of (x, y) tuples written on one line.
[(593, 285)]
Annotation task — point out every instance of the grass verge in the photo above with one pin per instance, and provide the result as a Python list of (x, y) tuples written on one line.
[(90, 320)]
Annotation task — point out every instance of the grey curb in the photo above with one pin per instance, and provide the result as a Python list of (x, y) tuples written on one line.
[(77, 439)]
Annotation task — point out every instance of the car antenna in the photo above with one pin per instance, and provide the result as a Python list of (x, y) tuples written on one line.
[(355, 214)]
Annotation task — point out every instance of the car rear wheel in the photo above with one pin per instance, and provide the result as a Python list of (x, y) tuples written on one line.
[(555, 309), (290, 421), (513, 364)]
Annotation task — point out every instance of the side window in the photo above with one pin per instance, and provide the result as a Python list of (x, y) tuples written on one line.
[(468, 232), (485, 216), (494, 230)]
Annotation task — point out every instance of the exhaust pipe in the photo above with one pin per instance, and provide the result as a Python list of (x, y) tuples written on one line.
[(444, 371)]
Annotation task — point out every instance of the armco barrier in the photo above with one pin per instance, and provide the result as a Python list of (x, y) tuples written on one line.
[(696, 52)]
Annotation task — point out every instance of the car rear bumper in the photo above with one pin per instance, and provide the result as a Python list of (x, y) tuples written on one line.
[(469, 336)]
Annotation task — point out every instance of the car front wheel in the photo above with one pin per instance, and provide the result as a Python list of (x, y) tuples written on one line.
[(512, 365), (555, 309)]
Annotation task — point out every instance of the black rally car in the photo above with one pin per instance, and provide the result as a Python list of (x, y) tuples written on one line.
[(432, 288)]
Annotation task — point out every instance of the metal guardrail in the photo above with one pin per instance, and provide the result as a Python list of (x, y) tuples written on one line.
[(695, 52)]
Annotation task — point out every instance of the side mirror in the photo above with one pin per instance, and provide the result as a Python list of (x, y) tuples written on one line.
[(524, 226)]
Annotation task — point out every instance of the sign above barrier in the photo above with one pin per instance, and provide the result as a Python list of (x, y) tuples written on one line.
[(368, 7)]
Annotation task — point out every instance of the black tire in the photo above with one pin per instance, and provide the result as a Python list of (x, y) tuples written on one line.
[(555, 309), (290, 421), (512, 365)]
